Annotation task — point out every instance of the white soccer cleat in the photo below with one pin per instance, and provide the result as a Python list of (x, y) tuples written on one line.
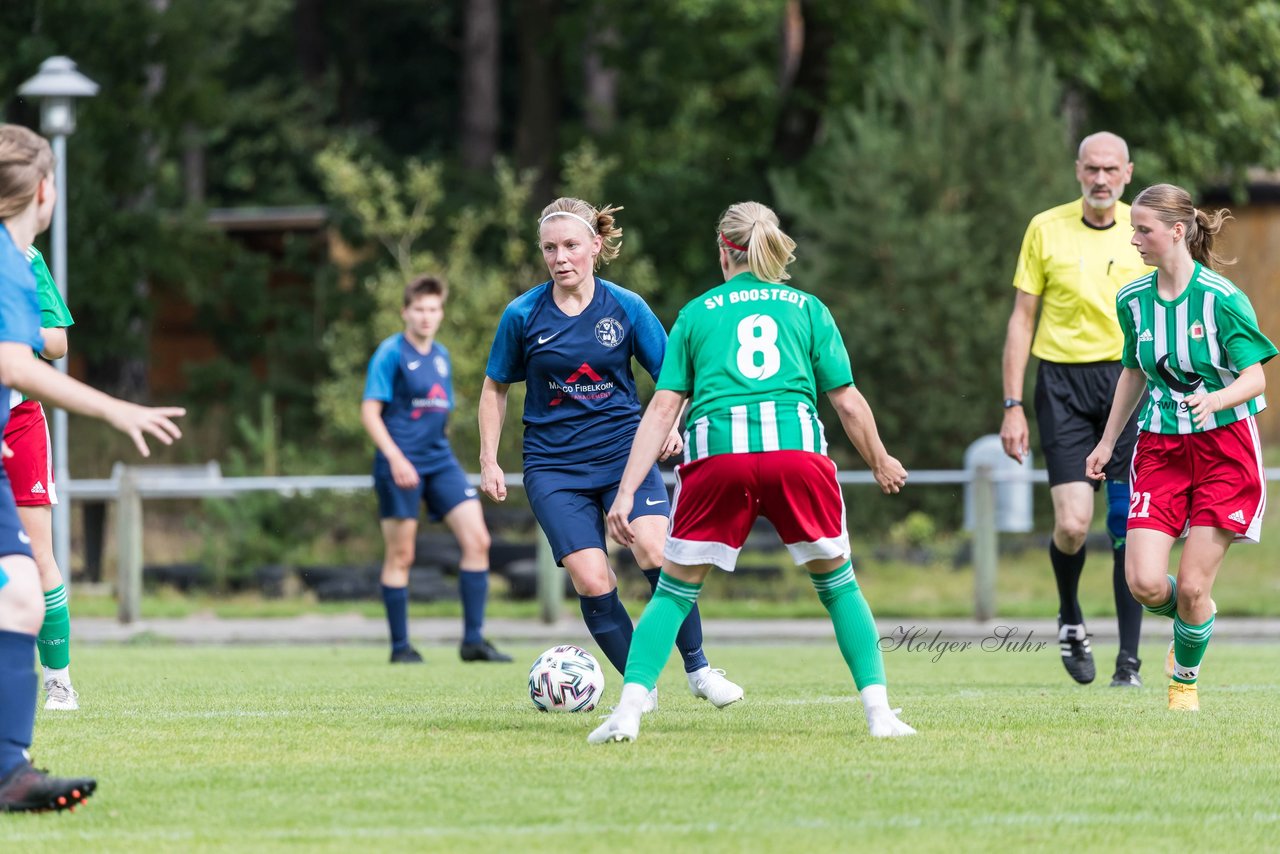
[(620, 726), (884, 723), (61, 696), (650, 702), (712, 686)]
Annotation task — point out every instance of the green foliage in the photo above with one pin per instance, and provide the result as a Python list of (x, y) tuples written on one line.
[(257, 529), (916, 530), (1192, 86), (908, 219)]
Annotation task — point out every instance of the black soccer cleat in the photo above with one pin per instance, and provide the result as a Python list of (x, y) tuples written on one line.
[(28, 789), (1126, 675), (483, 651), (408, 655), (1077, 657)]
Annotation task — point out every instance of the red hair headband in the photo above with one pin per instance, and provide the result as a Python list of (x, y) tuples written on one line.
[(727, 242)]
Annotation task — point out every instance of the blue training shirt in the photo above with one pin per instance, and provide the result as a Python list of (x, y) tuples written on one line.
[(417, 390), (19, 305), (580, 402)]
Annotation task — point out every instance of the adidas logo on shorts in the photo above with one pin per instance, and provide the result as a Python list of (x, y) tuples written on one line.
[(38, 489), (1237, 516), (1146, 335)]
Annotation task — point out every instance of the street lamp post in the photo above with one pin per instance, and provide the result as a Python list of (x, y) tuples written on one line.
[(56, 86)]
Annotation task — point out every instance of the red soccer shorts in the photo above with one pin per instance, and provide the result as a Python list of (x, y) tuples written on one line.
[(717, 500), (1213, 479), (30, 469)]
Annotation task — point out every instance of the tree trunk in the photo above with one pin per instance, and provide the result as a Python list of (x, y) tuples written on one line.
[(601, 78), (193, 165), (480, 45), (539, 118), (805, 98), (308, 32)]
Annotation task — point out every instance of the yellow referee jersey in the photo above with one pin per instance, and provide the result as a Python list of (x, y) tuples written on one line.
[(1076, 271)]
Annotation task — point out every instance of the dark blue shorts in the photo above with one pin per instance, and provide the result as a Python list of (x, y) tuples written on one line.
[(13, 540), (441, 488), (570, 505)]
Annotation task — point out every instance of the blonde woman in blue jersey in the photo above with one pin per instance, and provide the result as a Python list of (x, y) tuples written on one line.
[(27, 197), (1192, 341), (571, 341)]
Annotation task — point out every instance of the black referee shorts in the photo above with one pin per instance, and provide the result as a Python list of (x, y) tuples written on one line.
[(1073, 403)]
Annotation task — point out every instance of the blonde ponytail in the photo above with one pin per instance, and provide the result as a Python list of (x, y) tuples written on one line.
[(749, 231)]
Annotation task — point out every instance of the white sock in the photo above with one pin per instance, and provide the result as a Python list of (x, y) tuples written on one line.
[(62, 674), (633, 697), (875, 699)]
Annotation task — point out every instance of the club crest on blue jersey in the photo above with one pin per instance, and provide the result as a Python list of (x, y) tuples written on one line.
[(609, 332), (442, 366)]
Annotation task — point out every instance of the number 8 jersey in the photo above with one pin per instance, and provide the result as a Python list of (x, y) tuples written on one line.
[(754, 356)]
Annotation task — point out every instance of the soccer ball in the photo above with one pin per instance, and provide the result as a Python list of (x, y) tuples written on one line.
[(566, 679)]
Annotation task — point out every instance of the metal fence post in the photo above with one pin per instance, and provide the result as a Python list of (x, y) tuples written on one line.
[(129, 545), (984, 544), (550, 582)]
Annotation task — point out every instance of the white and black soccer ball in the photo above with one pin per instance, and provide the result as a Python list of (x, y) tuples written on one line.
[(566, 679)]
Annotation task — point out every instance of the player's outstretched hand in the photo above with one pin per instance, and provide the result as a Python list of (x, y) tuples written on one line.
[(890, 474), (671, 447), (137, 421), (403, 473), (5, 451), (493, 482), (619, 519), (1096, 463)]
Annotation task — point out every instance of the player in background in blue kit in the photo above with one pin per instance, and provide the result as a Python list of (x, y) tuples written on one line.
[(571, 341), (27, 197), (407, 398)]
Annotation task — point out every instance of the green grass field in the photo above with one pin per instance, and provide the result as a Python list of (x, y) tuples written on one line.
[(330, 749)]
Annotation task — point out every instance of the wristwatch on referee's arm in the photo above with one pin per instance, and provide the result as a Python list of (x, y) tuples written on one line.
[(1011, 402)]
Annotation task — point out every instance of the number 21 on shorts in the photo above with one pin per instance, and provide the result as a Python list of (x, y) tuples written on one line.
[(758, 356), (1140, 505)]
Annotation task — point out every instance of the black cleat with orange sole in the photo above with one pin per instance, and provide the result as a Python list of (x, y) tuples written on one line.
[(28, 789)]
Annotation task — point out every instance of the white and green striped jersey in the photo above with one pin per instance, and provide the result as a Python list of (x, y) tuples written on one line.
[(754, 356), (1196, 343)]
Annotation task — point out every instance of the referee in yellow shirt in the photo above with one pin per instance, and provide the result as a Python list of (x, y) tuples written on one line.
[(1074, 259)]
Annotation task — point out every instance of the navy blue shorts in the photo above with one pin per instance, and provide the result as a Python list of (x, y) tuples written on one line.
[(441, 488), (13, 540), (570, 505)]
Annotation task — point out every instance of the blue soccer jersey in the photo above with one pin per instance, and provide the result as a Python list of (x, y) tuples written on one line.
[(19, 323), (580, 401), (19, 304), (417, 392)]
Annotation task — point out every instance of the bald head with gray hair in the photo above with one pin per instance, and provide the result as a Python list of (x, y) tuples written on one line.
[(1103, 170), (1106, 138)]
